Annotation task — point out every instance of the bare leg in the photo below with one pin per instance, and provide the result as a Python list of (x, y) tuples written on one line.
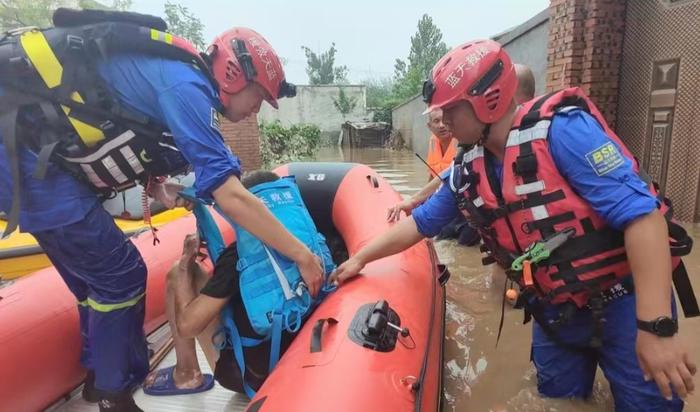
[(205, 341), (187, 373), (205, 338)]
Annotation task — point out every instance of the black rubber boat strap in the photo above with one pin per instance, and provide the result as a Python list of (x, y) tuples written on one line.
[(684, 290)]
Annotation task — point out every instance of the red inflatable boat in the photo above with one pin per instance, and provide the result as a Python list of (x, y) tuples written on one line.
[(342, 365), (39, 333), (347, 357)]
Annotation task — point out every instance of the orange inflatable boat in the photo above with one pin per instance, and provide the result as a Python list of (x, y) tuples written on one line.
[(374, 344), (40, 338), (357, 361)]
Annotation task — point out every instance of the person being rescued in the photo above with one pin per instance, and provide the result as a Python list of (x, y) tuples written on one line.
[(195, 301)]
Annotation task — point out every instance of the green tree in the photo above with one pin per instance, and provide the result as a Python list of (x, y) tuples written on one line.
[(409, 85), (427, 48), (344, 103), (321, 67), (181, 22), (280, 144)]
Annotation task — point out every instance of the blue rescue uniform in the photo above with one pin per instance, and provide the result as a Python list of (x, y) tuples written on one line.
[(99, 264), (619, 196)]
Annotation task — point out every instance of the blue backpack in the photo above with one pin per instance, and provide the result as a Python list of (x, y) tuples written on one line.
[(273, 293)]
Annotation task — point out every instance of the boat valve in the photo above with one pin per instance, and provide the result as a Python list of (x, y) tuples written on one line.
[(377, 326), (403, 331)]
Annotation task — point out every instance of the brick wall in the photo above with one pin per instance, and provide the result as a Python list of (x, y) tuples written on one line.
[(244, 139), (585, 49)]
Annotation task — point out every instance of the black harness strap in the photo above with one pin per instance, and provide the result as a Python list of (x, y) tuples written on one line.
[(592, 285), (684, 289), (532, 202), (682, 244), (533, 115), (548, 222), (43, 160), (589, 244), (587, 225), (573, 272)]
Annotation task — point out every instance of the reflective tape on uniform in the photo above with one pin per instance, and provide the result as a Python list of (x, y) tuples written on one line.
[(161, 36), (109, 307)]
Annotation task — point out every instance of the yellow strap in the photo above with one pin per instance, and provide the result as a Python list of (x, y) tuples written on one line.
[(109, 307), (49, 68), (42, 57), (90, 135)]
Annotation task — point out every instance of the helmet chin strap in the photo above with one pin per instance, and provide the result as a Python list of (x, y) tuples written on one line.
[(484, 134)]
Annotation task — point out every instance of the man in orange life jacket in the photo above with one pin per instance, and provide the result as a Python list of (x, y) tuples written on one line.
[(553, 170), (442, 147)]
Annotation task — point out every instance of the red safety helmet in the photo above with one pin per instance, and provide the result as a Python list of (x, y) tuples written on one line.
[(479, 72), (240, 56)]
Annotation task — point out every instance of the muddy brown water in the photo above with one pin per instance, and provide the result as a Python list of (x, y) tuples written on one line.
[(479, 376)]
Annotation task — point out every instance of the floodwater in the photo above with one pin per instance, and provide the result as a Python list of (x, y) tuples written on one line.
[(478, 375)]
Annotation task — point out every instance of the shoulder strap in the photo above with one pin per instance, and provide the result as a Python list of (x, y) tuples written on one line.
[(533, 114), (545, 106)]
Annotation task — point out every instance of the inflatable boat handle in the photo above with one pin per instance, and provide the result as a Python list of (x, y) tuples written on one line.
[(316, 335), (373, 181)]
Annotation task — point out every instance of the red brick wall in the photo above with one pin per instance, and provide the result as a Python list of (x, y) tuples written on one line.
[(585, 49), (244, 139)]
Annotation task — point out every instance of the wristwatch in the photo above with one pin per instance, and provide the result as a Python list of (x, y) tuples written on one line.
[(662, 326)]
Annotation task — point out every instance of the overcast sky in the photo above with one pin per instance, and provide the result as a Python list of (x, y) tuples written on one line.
[(369, 34)]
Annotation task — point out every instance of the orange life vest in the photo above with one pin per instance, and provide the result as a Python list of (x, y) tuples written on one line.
[(536, 201), (437, 160)]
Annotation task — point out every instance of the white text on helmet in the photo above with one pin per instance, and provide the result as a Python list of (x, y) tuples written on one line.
[(470, 60), (262, 53)]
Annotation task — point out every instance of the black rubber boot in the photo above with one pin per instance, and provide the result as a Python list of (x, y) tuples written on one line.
[(119, 403), (89, 393)]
